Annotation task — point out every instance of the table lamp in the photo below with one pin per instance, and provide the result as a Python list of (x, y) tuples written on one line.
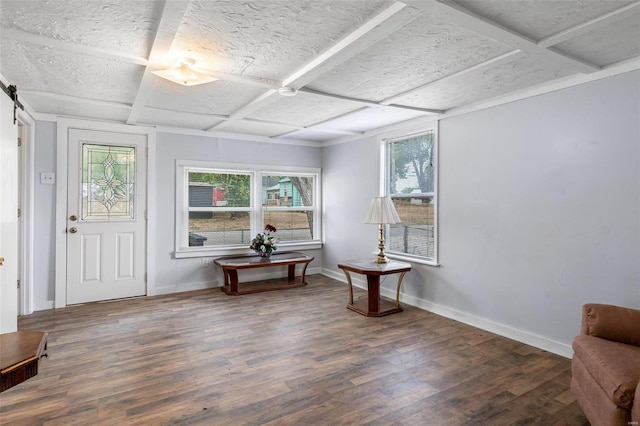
[(381, 212)]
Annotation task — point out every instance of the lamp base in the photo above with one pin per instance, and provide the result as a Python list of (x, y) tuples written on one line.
[(382, 258)]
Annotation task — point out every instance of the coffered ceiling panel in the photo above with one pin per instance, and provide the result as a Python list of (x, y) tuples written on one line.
[(539, 19), (523, 72), (360, 121), (303, 109), (218, 97), (170, 118), (65, 107), (52, 70), (266, 38), (425, 50), (128, 26), (605, 46), (257, 128), (353, 66)]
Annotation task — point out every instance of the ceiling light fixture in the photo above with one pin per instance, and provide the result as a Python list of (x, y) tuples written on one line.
[(185, 74), (287, 91)]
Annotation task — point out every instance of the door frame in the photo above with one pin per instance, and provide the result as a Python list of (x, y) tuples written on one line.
[(63, 126)]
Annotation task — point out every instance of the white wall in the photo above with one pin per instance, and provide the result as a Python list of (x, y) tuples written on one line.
[(539, 209), (44, 216), (539, 212), (172, 274)]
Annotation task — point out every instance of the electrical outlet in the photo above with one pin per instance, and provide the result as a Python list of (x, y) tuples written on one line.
[(205, 262)]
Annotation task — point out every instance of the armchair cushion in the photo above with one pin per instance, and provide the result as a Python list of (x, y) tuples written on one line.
[(618, 375), (612, 323)]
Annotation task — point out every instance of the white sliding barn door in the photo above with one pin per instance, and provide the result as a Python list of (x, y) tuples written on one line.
[(106, 240), (8, 217)]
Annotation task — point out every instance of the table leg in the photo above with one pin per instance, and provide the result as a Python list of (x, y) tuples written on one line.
[(302, 274), (398, 290), (373, 284), (291, 272), (346, 273), (233, 281)]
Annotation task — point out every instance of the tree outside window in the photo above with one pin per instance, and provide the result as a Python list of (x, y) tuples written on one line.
[(411, 165)]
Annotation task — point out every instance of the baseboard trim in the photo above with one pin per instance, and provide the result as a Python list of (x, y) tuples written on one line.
[(43, 305), (201, 285), (503, 330)]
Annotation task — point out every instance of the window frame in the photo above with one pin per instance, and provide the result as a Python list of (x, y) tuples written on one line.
[(181, 241), (384, 141)]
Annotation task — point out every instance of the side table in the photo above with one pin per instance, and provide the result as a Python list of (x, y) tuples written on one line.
[(373, 306)]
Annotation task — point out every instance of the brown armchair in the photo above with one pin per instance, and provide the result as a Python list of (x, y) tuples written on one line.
[(606, 365)]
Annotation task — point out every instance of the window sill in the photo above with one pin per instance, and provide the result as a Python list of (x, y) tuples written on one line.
[(205, 251), (411, 259)]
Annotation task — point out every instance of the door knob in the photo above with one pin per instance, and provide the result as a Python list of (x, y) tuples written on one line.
[(1, 261), (73, 230), (73, 218)]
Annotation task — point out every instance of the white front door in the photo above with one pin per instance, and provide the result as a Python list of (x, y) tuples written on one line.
[(106, 226), (8, 217)]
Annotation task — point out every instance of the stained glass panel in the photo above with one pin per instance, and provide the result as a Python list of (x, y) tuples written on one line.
[(108, 182)]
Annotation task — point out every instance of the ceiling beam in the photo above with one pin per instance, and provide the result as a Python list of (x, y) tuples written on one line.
[(456, 14), (172, 14), (369, 103), (591, 25), (379, 27)]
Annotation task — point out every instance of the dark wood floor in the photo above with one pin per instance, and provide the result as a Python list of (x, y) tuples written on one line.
[(296, 357)]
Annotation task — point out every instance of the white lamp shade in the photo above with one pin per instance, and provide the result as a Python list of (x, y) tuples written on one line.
[(382, 210)]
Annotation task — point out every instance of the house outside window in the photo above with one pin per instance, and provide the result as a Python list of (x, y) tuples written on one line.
[(219, 208), (410, 170)]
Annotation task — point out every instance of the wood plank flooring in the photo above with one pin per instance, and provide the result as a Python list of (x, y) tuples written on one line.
[(291, 357)]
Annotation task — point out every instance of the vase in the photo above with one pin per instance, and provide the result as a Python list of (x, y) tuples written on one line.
[(265, 254)]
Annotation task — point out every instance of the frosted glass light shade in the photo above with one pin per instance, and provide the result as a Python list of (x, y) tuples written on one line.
[(185, 74), (382, 210)]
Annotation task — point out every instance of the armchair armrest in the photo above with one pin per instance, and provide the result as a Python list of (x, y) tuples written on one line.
[(611, 322)]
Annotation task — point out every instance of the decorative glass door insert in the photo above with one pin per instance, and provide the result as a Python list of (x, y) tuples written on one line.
[(108, 182)]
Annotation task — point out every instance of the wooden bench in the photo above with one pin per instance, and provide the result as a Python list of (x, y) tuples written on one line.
[(20, 353), (231, 264)]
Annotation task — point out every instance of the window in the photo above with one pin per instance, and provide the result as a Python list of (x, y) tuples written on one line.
[(410, 164), (220, 208)]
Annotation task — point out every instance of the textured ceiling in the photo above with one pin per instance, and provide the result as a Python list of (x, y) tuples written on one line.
[(358, 65)]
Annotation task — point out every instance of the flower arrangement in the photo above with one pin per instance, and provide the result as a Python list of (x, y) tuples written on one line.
[(264, 244)]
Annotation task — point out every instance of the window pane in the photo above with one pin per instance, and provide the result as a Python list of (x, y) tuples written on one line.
[(415, 235), (287, 191), (219, 228), (291, 225), (411, 187), (108, 182), (290, 193), (219, 190)]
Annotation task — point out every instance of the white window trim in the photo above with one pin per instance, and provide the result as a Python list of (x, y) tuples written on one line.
[(181, 242), (384, 184)]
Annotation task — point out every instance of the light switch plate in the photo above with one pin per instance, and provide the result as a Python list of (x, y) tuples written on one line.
[(47, 178)]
